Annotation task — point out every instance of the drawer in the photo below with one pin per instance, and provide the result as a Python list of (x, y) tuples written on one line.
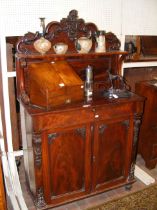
[(62, 119), (108, 113)]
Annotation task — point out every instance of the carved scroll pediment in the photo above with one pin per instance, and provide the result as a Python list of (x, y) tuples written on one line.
[(72, 26), (112, 42), (25, 43), (67, 30)]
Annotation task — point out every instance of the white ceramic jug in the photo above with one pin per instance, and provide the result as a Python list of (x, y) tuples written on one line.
[(83, 44)]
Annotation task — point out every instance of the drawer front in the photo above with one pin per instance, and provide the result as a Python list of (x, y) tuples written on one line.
[(62, 119), (108, 113)]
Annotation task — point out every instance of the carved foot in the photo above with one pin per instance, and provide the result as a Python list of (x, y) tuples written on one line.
[(40, 201), (128, 187)]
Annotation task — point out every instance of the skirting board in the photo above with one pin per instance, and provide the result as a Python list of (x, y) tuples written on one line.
[(143, 176)]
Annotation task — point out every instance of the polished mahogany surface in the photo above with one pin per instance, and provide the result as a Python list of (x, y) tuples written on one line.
[(148, 134), (85, 147), (57, 83), (82, 148)]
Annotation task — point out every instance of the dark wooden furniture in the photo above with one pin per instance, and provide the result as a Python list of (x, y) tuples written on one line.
[(148, 131), (141, 48), (145, 51), (85, 147), (149, 45), (138, 74)]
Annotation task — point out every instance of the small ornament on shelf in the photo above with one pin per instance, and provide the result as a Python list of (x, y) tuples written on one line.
[(42, 45), (100, 41), (83, 44), (60, 48)]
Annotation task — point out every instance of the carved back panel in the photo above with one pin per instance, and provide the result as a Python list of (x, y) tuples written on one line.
[(67, 30)]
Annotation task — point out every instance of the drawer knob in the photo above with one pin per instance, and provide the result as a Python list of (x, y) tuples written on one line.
[(96, 116)]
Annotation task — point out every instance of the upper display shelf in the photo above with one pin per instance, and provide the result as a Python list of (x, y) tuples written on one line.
[(69, 36), (70, 55)]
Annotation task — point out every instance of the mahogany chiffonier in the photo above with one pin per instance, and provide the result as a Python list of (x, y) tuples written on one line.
[(75, 146), (148, 130)]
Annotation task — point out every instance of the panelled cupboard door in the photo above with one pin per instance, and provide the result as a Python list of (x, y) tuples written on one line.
[(69, 163), (110, 153)]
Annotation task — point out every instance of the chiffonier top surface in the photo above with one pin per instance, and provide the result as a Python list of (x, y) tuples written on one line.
[(98, 100)]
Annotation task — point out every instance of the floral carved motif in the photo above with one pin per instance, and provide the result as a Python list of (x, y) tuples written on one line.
[(82, 132), (68, 30), (37, 149), (52, 137)]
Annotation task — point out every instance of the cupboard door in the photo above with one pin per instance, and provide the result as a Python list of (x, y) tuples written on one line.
[(69, 163), (111, 153)]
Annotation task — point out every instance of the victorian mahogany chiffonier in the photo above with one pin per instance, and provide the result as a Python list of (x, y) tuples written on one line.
[(76, 145)]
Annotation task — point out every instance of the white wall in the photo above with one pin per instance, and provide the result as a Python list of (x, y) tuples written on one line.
[(140, 17), (119, 16), (131, 17), (20, 16)]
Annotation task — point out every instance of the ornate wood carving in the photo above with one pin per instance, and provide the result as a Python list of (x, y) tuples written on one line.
[(67, 30), (52, 137), (82, 131), (37, 149), (126, 123), (102, 128), (131, 172), (59, 169), (25, 43), (137, 122), (72, 25), (40, 201), (112, 42)]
